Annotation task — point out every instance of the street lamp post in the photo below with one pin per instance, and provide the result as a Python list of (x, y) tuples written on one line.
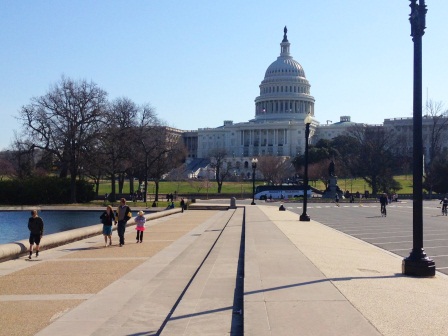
[(304, 216), (417, 263), (254, 166)]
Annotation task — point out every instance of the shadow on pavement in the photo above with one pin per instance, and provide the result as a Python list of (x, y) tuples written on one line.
[(397, 275)]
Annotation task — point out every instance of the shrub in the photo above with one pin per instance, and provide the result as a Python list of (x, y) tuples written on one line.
[(43, 190)]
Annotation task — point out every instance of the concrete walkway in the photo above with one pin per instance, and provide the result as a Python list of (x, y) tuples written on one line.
[(300, 278)]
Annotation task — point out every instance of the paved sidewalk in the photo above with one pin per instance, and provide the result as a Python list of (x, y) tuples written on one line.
[(72, 279), (300, 278), (284, 292), (367, 277)]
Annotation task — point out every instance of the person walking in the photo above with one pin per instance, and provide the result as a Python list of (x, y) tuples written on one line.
[(383, 203), (182, 204), (444, 203), (122, 216), (336, 199), (36, 227), (140, 220), (107, 217)]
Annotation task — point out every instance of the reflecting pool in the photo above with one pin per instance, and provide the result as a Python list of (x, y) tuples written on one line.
[(14, 224)]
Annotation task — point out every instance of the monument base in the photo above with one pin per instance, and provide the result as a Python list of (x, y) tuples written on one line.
[(332, 189)]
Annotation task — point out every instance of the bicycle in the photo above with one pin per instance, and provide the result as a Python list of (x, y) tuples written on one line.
[(444, 210), (383, 211)]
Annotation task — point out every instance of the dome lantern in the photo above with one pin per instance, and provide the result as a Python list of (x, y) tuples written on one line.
[(285, 44)]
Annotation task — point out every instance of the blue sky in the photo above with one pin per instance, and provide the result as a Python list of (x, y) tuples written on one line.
[(199, 63)]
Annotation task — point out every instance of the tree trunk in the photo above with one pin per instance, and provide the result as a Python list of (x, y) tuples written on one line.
[(73, 187), (113, 191), (374, 185), (120, 183), (156, 197), (131, 184), (64, 171)]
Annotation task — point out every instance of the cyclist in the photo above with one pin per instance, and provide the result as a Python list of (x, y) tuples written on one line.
[(383, 202), (444, 203)]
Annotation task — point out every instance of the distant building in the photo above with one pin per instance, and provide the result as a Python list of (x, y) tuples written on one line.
[(278, 127)]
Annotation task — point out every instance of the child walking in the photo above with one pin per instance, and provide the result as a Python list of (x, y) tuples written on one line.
[(140, 220), (107, 217)]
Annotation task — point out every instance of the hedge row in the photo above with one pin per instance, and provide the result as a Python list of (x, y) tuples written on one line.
[(43, 190)]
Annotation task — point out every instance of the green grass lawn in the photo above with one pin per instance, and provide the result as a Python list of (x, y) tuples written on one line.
[(183, 187), (358, 184), (237, 188)]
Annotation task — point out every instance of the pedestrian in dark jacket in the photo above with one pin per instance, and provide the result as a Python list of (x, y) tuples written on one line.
[(123, 214), (36, 227), (182, 204)]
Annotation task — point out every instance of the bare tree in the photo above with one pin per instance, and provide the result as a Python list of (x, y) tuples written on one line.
[(167, 155), (22, 157), (219, 163), (198, 185), (123, 126), (372, 158), (161, 150), (437, 136), (438, 173), (178, 174), (64, 121), (6, 165), (319, 171), (95, 164), (275, 169)]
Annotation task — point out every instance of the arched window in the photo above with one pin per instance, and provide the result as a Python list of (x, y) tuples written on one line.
[(246, 164)]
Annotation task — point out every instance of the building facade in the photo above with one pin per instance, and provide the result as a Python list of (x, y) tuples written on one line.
[(280, 109), (278, 127)]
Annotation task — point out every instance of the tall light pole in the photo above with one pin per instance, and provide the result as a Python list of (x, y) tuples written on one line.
[(254, 166), (418, 263), (304, 216)]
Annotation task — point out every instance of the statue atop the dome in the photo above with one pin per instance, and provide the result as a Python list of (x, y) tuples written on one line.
[(285, 38)]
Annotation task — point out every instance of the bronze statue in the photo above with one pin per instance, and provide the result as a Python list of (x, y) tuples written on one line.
[(331, 168), (285, 31)]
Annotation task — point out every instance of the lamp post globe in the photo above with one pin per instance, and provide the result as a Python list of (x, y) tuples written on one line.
[(254, 167), (304, 217)]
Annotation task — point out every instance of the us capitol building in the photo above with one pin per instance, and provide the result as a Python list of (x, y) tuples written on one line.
[(278, 128)]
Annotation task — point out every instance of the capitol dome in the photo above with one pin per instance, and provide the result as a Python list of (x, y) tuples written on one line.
[(284, 91), (285, 66)]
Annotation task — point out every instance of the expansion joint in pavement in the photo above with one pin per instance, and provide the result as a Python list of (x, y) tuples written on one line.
[(179, 299)]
